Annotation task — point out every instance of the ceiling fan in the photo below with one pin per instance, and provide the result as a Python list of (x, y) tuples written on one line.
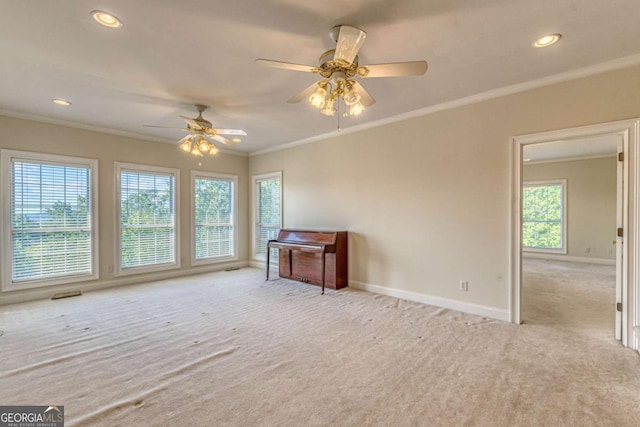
[(339, 67), (202, 134)]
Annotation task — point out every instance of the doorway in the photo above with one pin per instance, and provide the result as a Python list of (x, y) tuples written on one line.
[(625, 133), (569, 204)]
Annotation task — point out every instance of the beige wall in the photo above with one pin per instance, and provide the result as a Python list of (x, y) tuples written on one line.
[(591, 203), (27, 135), (427, 200)]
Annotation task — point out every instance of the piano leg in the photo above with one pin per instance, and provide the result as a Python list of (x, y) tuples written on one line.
[(323, 262), (268, 252)]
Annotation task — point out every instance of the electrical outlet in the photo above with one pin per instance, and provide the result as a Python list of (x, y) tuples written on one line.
[(587, 250), (464, 285), (110, 268)]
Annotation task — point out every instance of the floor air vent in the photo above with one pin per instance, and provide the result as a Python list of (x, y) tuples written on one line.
[(67, 294)]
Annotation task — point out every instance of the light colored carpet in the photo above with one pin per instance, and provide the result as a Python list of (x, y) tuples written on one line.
[(227, 349), (571, 295)]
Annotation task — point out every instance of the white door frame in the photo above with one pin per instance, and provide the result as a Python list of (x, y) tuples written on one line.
[(622, 221), (629, 131)]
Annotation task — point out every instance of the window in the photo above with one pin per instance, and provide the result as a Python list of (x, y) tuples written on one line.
[(543, 216), (267, 198), (213, 217), (148, 239), (49, 221)]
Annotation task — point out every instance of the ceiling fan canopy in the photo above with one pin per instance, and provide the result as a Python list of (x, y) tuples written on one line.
[(202, 135), (339, 67)]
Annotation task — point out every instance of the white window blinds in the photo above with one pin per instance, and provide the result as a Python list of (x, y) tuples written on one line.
[(213, 217), (51, 226), (268, 200), (147, 218)]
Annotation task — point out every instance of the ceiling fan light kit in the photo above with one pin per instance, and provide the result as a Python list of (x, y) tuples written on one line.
[(339, 67), (202, 135), (198, 146)]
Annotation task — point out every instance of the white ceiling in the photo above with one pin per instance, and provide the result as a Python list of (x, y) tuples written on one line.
[(171, 54)]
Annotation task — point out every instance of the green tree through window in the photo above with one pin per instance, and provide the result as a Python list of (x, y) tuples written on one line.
[(51, 225), (268, 213), (543, 215), (214, 217), (147, 218)]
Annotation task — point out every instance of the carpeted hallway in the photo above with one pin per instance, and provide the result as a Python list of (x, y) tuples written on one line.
[(227, 349)]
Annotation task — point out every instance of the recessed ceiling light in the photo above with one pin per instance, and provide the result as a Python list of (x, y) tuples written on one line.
[(547, 40), (105, 18), (236, 140), (62, 102), (526, 159)]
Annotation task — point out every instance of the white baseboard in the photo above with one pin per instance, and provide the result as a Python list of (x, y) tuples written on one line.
[(13, 297), (257, 263), (554, 257), (465, 307)]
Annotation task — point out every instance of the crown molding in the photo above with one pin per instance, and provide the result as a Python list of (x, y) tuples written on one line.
[(93, 128), (615, 64)]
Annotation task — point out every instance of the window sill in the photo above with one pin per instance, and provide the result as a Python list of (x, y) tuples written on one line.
[(562, 251), (214, 260), (142, 270), (44, 283)]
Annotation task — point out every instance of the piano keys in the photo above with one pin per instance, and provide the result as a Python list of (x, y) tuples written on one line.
[(315, 257)]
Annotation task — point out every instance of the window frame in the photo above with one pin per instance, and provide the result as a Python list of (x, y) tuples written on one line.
[(234, 216), (7, 157), (563, 225), (255, 179), (134, 167)]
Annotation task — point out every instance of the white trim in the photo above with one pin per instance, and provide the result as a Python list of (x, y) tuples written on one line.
[(234, 217), (118, 271), (255, 263), (582, 260), (563, 183), (616, 64), (570, 159), (476, 309), (254, 208), (632, 233), (6, 157), (629, 132), (93, 128), (18, 297)]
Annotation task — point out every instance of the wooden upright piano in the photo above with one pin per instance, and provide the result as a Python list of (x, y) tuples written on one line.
[(315, 257)]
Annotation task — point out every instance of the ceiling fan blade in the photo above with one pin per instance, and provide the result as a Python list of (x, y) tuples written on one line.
[(285, 65), (349, 41), (365, 98), (190, 122), (302, 95), (164, 127), (224, 140), (397, 69), (230, 131), (184, 139)]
